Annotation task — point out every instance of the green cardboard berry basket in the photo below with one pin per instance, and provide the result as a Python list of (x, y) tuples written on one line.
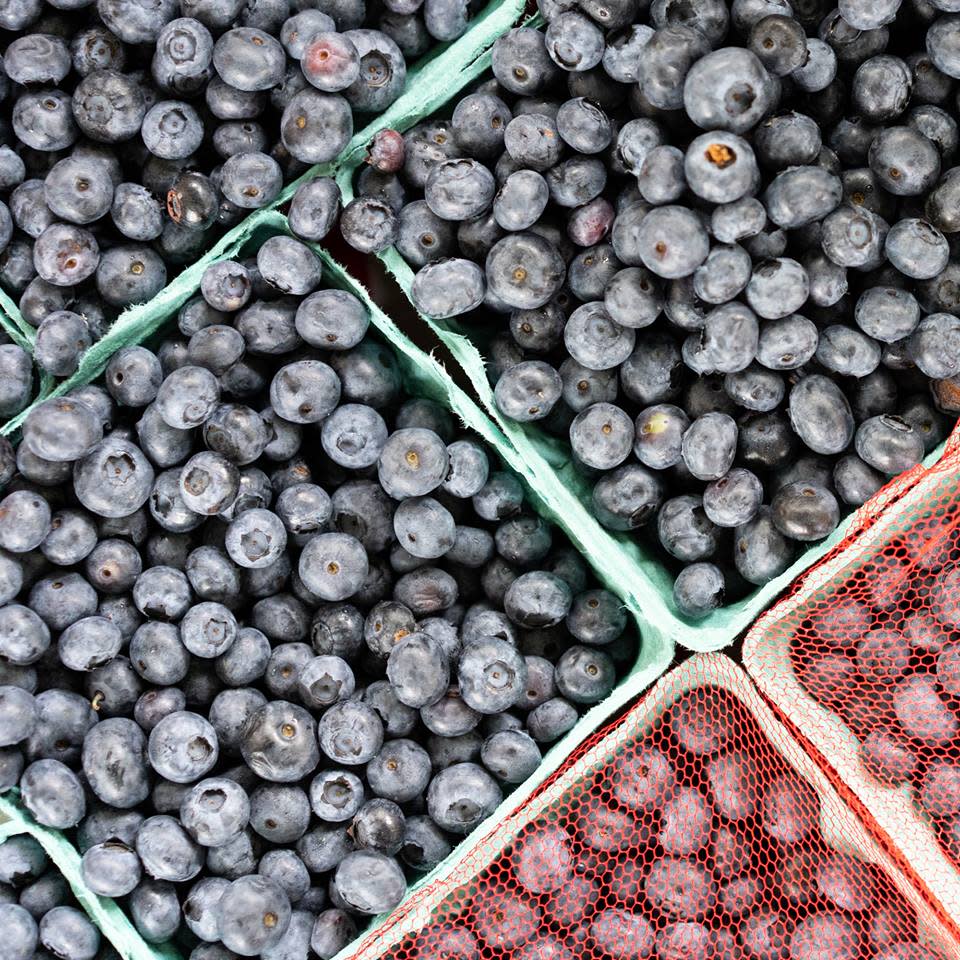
[(842, 830), (638, 568), (423, 376), (108, 917), (767, 658), (431, 81), (555, 490)]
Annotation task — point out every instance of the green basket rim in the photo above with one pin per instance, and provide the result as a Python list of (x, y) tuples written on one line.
[(430, 81), (428, 376)]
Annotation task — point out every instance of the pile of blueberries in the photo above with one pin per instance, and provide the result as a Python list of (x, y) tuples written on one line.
[(712, 244), (38, 915), (273, 630), (696, 843), (132, 134)]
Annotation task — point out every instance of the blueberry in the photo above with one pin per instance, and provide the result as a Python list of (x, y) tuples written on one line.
[(53, 794), (324, 680), (379, 825), (368, 882), (521, 200), (729, 89), (250, 180), (89, 643), (585, 675), (621, 59), (669, 54), (627, 497), (734, 498), (537, 599), (461, 796), (43, 120), (520, 62), (889, 444), (418, 670), (492, 675), (672, 242), (510, 755), (315, 126), (111, 868), (722, 275), (155, 910), (596, 618), (574, 42), (820, 414), (200, 909), (887, 314), (253, 914), (22, 860), (350, 733), (805, 511), (916, 248), (614, 928), (279, 742), (602, 436), (67, 932), (333, 565), (332, 930), (528, 391), (65, 255), (542, 860), (904, 161), (21, 931), (214, 811), (761, 552), (382, 71), (314, 208), (855, 481), (448, 287), (709, 446), (594, 340), (574, 183), (18, 714), (183, 747)]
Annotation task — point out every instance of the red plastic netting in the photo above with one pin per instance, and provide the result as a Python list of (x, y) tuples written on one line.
[(681, 833), (863, 658)]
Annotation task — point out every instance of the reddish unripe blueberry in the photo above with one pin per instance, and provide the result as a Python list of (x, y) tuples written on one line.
[(386, 151)]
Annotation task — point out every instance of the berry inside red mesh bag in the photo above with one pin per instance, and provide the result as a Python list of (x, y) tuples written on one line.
[(865, 658), (694, 828)]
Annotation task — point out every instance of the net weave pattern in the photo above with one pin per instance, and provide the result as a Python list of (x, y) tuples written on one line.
[(681, 832)]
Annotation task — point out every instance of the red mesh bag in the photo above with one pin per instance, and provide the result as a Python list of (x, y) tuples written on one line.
[(863, 660), (693, 828)]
